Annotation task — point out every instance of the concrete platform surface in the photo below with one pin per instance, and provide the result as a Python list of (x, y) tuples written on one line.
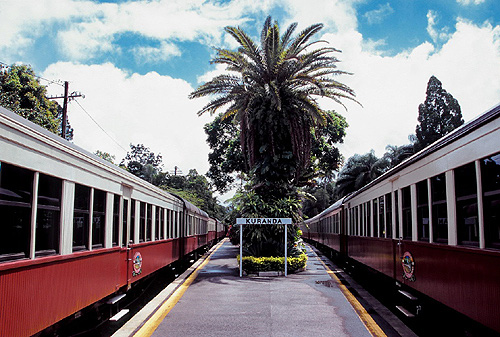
[(220, 303)]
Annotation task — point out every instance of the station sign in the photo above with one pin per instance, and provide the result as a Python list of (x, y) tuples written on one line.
[(263, 221)]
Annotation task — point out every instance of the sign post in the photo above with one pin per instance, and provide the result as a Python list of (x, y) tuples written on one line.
[(263, 221)]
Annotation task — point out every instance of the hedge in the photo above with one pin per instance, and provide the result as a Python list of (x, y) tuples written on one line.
[(253, 264)]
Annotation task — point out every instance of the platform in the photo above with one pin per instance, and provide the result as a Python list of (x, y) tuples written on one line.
[(212, 300)]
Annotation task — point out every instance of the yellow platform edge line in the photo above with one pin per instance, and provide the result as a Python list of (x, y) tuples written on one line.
[(370, 324), (154, 321)]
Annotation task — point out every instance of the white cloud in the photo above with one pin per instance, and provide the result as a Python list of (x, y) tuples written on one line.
[(379, 14), (150, 109), (391, 87), (470, 2), (84, 29), (153, 55), (435, 34)]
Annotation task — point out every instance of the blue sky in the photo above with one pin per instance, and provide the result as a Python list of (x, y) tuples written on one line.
[(136, 62)]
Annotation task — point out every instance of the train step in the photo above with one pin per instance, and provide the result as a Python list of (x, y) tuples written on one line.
[(405, 311), (408, 295)]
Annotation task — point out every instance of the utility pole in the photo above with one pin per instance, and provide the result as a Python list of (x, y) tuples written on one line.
[(66, 98)]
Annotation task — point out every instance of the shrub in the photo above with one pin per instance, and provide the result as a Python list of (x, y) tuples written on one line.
[(252, 264)]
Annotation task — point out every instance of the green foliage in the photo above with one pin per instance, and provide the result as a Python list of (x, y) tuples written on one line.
[(21, 92), (143, 163), (196, 189), (193, 187), (266, 240), (253, 264), (226, 158), (437, 116), (359, 171), (106, 156), (271, 93)]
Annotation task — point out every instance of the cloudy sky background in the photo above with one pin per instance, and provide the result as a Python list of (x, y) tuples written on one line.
[(137, 61)]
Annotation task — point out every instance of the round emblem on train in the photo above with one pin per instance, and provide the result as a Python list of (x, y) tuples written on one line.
[(137, 264), (408, 267)]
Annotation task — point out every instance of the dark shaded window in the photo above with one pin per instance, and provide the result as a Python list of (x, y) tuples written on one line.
[(81, 218), (368, 219), (356, 220), (48, 218), (439, 209), (388, 215), (157, 223), (422, 211), (132, 221), (466, 194), (381, 213), (396, 209), (406, 212), (142, 222), (162, 224), (149, 222), (375, 218), (116, 219), (16, 189), (168, 220), (126, 225), (490, 176), (98, 219)]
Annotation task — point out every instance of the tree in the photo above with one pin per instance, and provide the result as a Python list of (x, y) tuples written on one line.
[(437, 116), (271, 93), (106, 156), (21, 92), (196, 189), (143, 163), (396, 154), (359, 171), (226, 158)]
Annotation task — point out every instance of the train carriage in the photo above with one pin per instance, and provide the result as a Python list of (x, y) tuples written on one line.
[(77, 229), (432, 223)]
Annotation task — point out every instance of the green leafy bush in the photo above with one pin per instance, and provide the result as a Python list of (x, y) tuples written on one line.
[(252, 264)]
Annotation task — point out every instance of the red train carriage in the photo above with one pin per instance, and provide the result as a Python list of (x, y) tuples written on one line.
[(432, 223), (76, 229)]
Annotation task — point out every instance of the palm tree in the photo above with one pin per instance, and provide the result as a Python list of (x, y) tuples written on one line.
[(397, 154), (271, 91), (359, 171)]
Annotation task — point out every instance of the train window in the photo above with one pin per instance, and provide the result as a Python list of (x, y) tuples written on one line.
[(116, 219), (149, 222), (388, 215), (381, 225), (422, 211), (490, 176), (406, 212), (81, 218), (375, 217), (142, 222), (396, 210), (356, 220), (169, 221), (162, 224), (16, 188), (132, 221), (158, 228), (48, 218), (466, 198), (98, 218), (368, 219), (125, 228), (439, 209)]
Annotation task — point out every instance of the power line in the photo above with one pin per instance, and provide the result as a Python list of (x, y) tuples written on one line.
[(100, 127)]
